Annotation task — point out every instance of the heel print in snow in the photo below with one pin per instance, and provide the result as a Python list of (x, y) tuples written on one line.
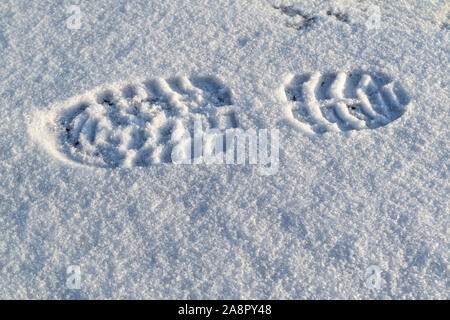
[(134, 124), (318, 103)]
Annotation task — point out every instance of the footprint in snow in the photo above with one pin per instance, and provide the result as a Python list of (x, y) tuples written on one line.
[(134, 124), (323, 102)]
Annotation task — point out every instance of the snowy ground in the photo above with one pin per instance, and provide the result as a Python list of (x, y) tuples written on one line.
[(341, 200)]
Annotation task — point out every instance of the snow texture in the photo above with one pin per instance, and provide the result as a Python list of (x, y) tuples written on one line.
[(358, 89)]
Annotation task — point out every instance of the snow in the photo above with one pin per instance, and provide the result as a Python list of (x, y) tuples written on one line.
[(342, 200)]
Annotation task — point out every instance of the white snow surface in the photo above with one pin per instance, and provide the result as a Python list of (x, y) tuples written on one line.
[(341, 201)]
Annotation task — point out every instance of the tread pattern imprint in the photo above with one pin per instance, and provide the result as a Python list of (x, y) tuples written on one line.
[(134, 124), (336, 102)]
